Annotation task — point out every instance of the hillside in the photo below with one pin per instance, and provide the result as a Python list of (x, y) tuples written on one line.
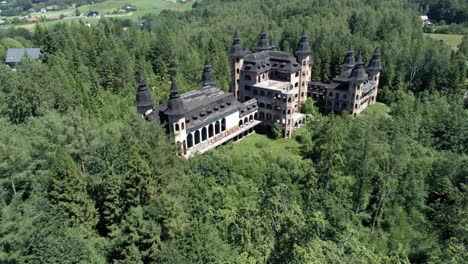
[(85, 179)]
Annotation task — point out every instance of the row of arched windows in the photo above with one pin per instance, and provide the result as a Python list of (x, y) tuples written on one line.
[(205, 133)]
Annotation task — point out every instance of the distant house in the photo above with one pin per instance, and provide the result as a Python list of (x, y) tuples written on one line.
[(2, 21), (425, 20), (95, 14), (141, 23), (43, 10), (16, 55), (32, 20)]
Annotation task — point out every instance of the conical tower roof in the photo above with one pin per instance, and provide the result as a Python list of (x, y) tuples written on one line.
[(263, 42), (375, 63), (359, 73), (236, 48), (207, 78), (303, 45), (175, 105), (143, 101)]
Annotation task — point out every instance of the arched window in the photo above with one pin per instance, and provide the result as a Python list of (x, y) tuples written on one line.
[(255, 116), (289, 100), (246, 120), (189, 140), (197, 137), (247, 88), (337, 96), (330, 94), (262, 93), (177, 127), (204, 134), (183, 125), (237, 70), (269, 94), (241, 124), (261, 105), (247, 77), (210, 130), (355, 106), (357, 96), (255, 92), (223, 124), (250, 118), (296, 84), (217, 127), (262, 115)]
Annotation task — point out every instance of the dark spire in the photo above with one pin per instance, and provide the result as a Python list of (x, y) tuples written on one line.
[(375, 64), (175, 105), (349, 60), (263, 43), (143, 101), (174, 89), (303, 49), (236, 48), (272, 45), (359, 73), (207, 78)]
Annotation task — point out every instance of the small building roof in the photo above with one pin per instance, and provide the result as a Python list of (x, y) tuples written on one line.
[(15, 55)]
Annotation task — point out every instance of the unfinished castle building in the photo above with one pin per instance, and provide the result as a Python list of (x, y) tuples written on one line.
[(267, 87), (353, 89), (202, 119), (276, 79)]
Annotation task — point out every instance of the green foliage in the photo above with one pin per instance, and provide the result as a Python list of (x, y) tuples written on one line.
[(68, 192), (83, 178)]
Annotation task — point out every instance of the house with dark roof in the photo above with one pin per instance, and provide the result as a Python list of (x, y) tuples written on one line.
[(16, 55), (202, 119)]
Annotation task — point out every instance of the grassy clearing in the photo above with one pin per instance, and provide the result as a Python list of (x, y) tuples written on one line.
[(143, 7), (260, 142), (376, 111), (451, 40)]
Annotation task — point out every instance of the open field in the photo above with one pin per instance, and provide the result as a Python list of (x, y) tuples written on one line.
[(108, 7), (449, 39)]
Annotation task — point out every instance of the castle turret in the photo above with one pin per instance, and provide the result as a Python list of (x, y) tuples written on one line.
[(263, 42), (207, 78), (349, 60), (236, 57), (175, 105), (359, 75), (143, 101), (375, 66), (303, 55)]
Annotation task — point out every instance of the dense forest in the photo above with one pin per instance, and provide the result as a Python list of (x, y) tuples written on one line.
[(84, 179)]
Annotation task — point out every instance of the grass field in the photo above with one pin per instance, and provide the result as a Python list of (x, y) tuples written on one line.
[(276, 147), (453, 41), (143, 7)]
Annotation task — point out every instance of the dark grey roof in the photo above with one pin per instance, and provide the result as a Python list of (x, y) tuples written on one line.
[(349, 60), (175, 105), (263, 42), (144, 101), (236, 48), (201, 105), (15, 55), (375, 64), (359, 73), (303, 48), (207, 77), (270, 59)]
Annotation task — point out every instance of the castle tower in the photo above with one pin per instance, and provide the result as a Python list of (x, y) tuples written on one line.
[(263, 42), (357, 79), (303, 56), (236, 58), (144, 102), (176, 120), (374, 69), (207, 78)]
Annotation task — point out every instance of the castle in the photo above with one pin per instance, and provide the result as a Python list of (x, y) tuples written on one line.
[(268, 87)]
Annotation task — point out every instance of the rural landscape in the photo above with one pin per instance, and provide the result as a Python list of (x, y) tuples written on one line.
[(234, 131)]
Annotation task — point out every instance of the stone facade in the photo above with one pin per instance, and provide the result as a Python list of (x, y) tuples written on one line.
[(353, 89), (276, 79)]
